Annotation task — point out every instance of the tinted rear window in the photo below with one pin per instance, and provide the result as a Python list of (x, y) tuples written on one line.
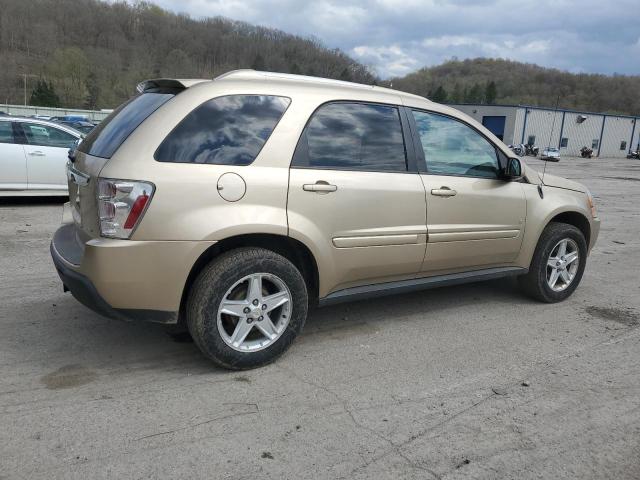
[(107, 137), (229, 130), (353, 136)]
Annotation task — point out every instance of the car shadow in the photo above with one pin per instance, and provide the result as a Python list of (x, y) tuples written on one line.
[(129, 347)]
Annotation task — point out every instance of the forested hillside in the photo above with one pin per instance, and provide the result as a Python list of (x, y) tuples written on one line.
[(470, 81), (88, 53)]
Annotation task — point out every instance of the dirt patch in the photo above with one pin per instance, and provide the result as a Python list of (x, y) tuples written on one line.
[(624, 316), (68, 376)]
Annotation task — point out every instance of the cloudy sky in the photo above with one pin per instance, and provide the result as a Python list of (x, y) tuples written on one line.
[(396, 37)]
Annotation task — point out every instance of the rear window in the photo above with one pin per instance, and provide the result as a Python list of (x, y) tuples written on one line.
[(107, 137), (229, 130), (6, 132), (353, 136)]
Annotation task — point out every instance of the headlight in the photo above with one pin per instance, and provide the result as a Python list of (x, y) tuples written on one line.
[(121, 204), (592, 205)]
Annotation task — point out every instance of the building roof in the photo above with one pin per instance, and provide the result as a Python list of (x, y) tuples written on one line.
[(534, 107)]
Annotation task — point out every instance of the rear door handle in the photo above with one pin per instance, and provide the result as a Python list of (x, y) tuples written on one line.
[(320, 186), (443, 192), (37, 153)]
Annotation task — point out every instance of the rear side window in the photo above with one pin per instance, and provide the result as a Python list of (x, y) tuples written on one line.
[(353, 136), (46, 136), (106, 138), (6, 132), (229, 130)]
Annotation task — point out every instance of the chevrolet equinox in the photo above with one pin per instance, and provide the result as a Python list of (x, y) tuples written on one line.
[(233, 205)]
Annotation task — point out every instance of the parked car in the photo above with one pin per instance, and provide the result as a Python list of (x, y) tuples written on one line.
[(81, 126), (33, 156), (71, 118), (234, 205), (551, 154)]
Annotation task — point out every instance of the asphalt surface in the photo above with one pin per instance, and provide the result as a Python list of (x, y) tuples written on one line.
[(474, 381)]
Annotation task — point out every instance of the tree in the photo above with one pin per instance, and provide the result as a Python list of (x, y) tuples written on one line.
[(345, 75), (458, 95), (43, 95), (490, 93), (258, 63), (440, 95), (93, 92), (475, 94)]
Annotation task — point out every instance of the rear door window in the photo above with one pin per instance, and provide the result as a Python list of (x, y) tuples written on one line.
[(353, 136), (106, 138), (6, 132), (229, 130), (47, 136)]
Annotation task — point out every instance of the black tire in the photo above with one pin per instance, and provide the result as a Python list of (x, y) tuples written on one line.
[(534, 283), (212, 284)]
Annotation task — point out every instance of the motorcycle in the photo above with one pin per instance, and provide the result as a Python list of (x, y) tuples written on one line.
[(518, 149), (635, 154), (531, 150), (586, 152)]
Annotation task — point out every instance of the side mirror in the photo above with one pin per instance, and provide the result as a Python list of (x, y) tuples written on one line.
[(513, 169)]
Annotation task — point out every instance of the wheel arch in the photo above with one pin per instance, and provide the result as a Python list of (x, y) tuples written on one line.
[(577, 219), (293, 250)]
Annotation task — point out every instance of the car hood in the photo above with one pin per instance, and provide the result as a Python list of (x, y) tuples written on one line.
[(559, 182), (553, 181)]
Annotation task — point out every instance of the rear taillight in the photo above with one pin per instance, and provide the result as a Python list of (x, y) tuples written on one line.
[(121, 204)]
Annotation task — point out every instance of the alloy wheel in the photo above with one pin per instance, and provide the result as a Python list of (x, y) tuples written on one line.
[(254, 312), (562, 264)]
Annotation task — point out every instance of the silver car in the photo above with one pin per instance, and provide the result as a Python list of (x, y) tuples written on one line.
[(33, 156), (551, 153)]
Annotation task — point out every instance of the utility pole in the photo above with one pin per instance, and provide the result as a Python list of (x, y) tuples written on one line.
[(24, 78)]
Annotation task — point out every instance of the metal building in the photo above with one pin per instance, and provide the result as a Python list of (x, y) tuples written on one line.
[(568, 130)]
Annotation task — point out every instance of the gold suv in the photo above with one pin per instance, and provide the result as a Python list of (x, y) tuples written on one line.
[(233, 205)]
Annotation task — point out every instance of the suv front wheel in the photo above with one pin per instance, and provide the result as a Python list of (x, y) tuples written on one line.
[(557, 265), (246, 307)]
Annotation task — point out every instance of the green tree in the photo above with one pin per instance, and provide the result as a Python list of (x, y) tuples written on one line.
[(68, 69), (345, 75), (295, 68), (43, 95), (490, 93), (474, 95), (258, 63), (440, 95), (457, 96), (93, 92)]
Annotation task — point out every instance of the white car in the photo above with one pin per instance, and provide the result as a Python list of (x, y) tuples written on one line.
[(33, 156), (551, 153)]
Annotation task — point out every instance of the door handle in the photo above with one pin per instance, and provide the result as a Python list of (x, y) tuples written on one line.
[(320, 186), (443, 192), (36, 153)]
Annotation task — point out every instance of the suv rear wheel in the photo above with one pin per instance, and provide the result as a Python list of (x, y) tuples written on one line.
[(246, 307), (557, 265)]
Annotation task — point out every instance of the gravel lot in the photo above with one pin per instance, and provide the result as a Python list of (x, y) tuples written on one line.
[(462, 382)]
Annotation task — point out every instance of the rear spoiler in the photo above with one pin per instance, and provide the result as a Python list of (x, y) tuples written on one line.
[(168, 85)]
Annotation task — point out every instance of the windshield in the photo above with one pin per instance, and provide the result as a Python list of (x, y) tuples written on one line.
[(107, 137)]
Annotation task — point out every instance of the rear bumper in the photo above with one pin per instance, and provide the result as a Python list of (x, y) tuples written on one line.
[(124, 279)]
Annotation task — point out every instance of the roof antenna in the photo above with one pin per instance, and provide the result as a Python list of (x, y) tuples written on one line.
[(553, 127)]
